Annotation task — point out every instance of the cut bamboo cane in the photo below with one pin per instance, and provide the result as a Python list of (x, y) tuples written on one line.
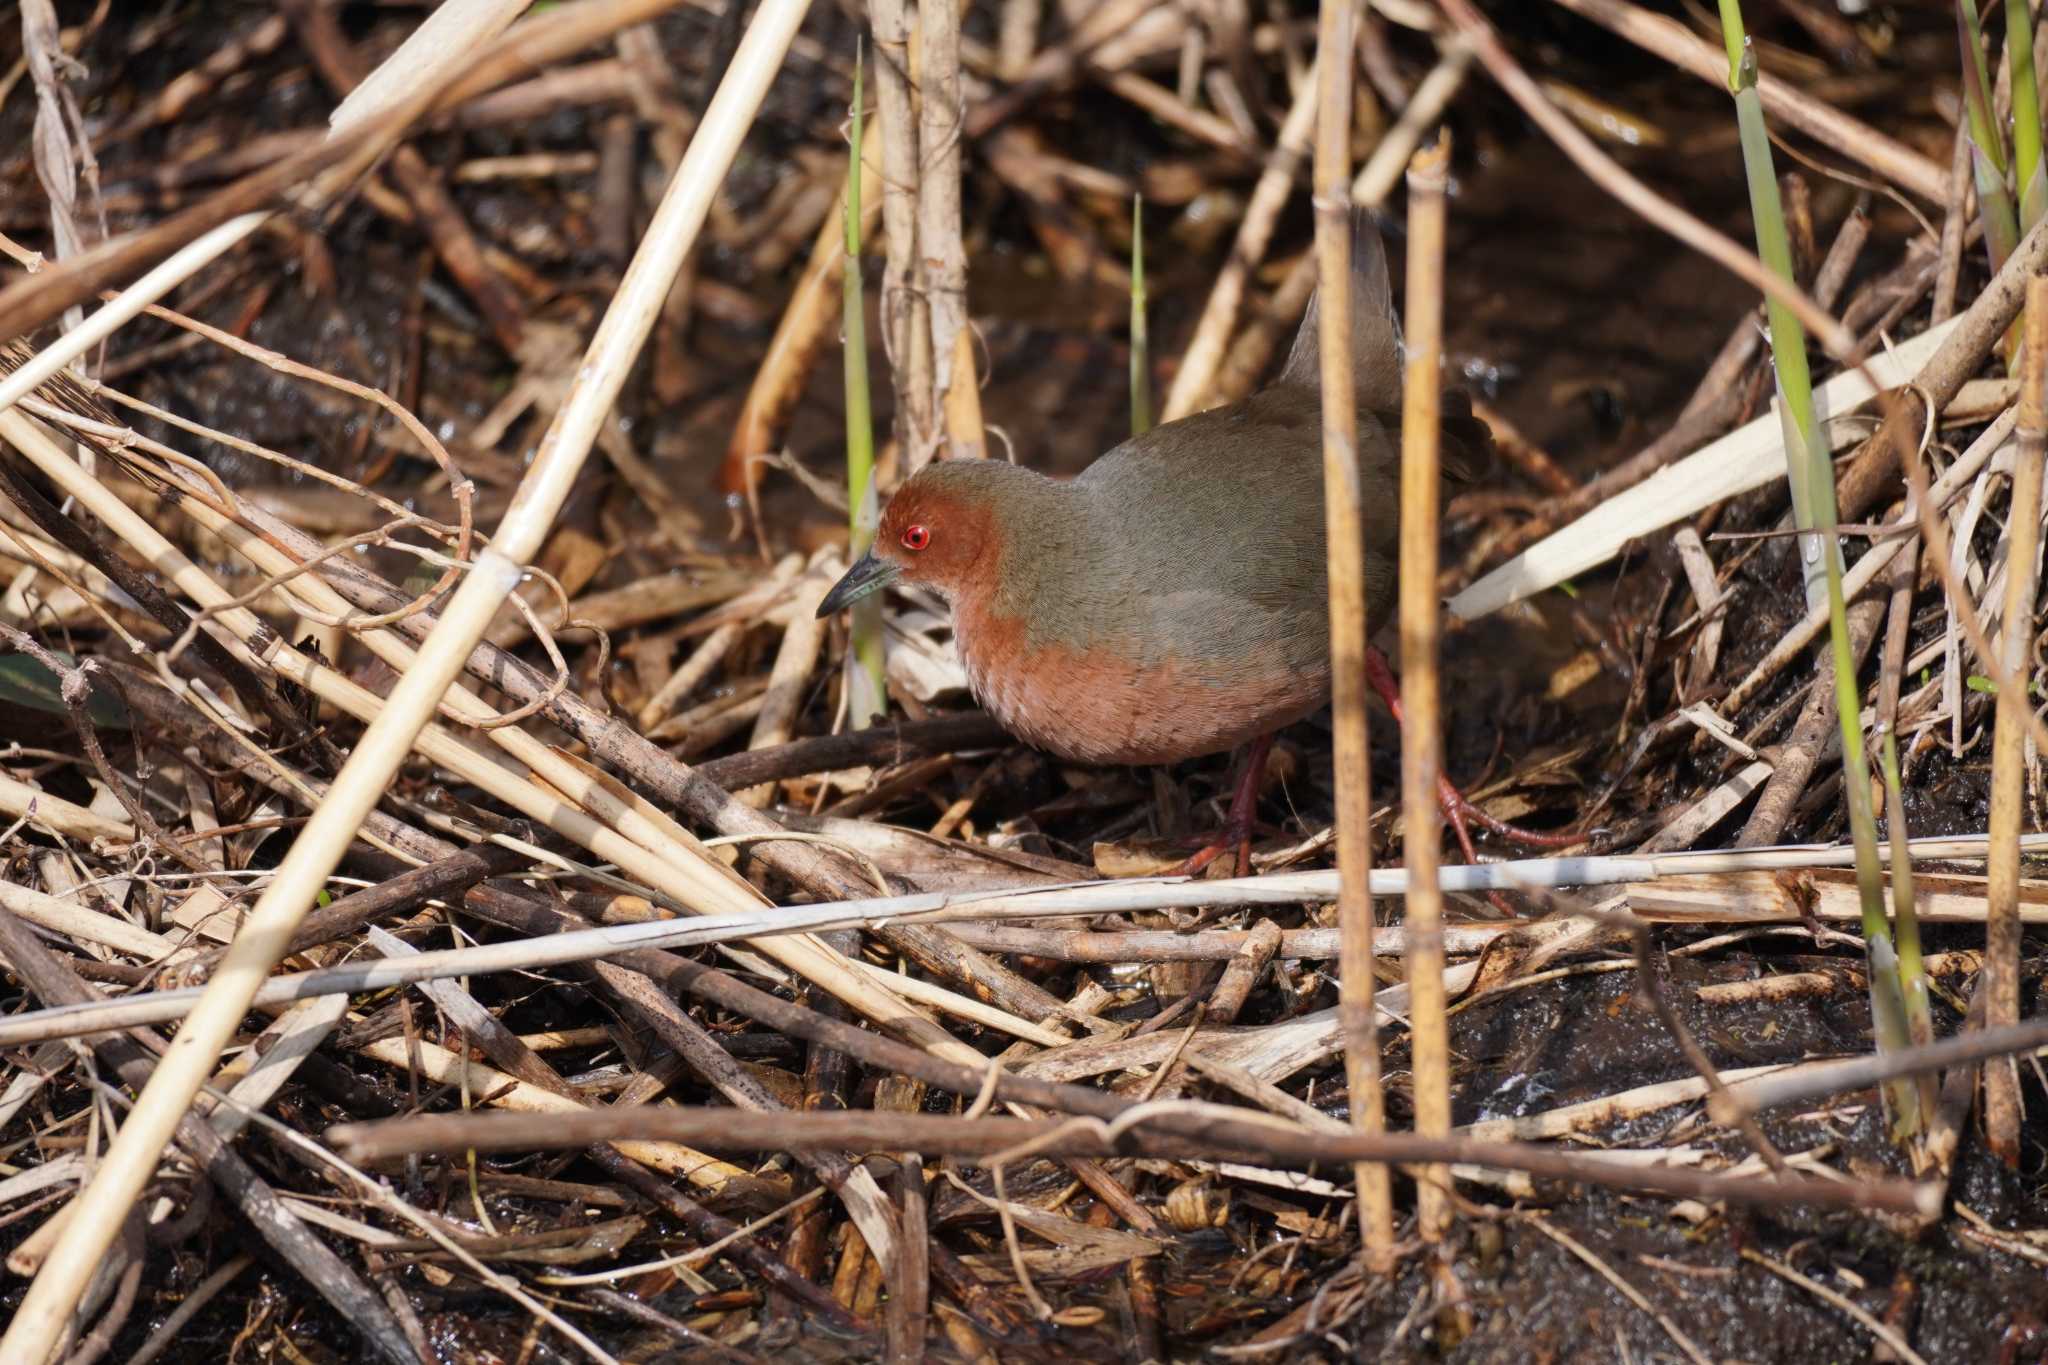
[(1344, 523), (1422, 758)]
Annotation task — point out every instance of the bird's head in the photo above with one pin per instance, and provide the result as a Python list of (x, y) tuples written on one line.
[(945, 528)]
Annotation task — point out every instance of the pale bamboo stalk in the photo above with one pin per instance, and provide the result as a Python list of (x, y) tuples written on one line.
[(1695, 901), (956, 395), (906, 323), (40, 1321), (20, 801), (71, 920), (1422, 757), (1329, 101), (1197, 373), (2002, 1110), (441, 42)]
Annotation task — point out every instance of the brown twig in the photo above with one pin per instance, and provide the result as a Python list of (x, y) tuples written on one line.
[(1172, 1129)]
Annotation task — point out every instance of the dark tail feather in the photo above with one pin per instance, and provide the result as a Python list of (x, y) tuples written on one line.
[(1465, 450), (1375, 327)]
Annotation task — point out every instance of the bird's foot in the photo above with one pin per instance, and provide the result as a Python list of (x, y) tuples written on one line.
[(1237, 828), (1459, 813)]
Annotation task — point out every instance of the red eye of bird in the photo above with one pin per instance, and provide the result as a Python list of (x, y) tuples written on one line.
[(916, 537)]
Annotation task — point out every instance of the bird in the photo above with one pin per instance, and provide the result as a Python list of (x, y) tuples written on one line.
[(1171, 600)]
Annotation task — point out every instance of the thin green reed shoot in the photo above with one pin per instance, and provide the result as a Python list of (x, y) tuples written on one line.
[(2028, 177), (1887, 1006), (1141, 352), (1812, 479), (1774, 246), (867, 699), (1905, 915), (1987, 145)]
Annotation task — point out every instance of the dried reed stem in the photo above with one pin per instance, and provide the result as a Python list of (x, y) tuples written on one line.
[(956, 393), (1422, 756), (906, 323), (1344, 522), (103, 1204), (2009, 738)]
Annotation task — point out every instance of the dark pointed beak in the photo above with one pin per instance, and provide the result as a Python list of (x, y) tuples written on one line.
[(868, 575)]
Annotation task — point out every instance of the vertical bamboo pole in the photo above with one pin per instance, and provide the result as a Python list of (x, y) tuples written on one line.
[(1344, 522), (102, 1206), (2009, 738), (1422, 758)]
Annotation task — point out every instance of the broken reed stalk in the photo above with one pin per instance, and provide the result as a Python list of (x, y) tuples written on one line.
[(1141, 347), (1987, 145), (103, 1205), (2009, 739), (1344, 524), (867, 700), (1811, 474), (1422, 757), (1774, 248)]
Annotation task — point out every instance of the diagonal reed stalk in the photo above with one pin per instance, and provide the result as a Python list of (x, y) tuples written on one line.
[(2008, 739), (867, 700), (1141, 343), (1810, 470), (1422, 757), (1344, 523)]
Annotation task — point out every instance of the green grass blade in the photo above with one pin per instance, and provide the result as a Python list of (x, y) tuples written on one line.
[(2026, 110), (1788, 337), (1811, 475)]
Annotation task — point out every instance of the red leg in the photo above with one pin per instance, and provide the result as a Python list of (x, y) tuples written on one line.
[(1237, 828), (1457, 810)]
